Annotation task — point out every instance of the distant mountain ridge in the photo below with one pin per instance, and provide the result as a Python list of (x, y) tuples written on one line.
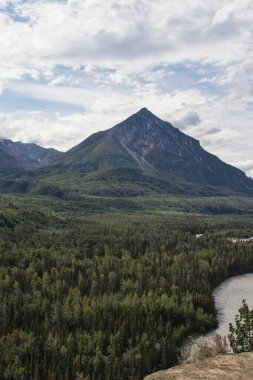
[(150, 152), (142, 155), (17, 155)]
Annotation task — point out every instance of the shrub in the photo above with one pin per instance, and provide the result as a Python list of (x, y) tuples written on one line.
[(201, 348), (241, 336)]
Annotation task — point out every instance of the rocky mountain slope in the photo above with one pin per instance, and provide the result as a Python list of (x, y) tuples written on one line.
[(143, 155), (146, 153), (225, 367), (14, 155)]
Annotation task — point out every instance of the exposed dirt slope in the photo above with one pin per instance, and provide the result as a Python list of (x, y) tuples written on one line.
[(232, 367)]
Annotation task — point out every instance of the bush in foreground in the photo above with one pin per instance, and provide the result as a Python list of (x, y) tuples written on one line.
[(201, 348), (241, 335)]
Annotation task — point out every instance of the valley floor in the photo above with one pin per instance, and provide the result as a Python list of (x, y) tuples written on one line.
[(108, 295)]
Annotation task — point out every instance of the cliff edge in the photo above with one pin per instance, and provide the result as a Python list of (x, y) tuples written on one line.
[(232, 367)]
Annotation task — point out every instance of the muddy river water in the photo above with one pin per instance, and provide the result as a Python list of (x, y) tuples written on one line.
[(228, 299)]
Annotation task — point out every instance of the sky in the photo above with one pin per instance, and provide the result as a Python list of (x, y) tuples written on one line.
[(71, 68)]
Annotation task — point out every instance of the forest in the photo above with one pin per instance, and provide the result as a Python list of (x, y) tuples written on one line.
[(107, 296)]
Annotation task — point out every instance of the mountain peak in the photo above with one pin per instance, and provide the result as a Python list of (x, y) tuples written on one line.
[(144, 119), (20, 155), (144, 112), (143, 154)]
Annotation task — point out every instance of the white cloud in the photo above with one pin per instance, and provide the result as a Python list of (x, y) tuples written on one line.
[(191, 118), (126, 54), (60, 94), (133, 33), (246, 166)]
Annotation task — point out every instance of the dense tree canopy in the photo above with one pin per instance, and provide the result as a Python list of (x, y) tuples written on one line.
[(105, 297)]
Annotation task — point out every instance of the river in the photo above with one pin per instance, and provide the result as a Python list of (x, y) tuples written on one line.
[(228, 299)]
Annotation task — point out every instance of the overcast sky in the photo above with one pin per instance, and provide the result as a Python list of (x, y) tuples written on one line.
[(71, 68)]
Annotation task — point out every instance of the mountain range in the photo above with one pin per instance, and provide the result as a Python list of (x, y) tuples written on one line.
[(18, 155), (141, 155)]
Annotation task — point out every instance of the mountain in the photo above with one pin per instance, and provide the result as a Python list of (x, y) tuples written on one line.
[(18, 155), (141, 155)]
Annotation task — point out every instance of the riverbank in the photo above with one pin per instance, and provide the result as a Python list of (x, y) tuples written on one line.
[(225, 367), (228, 299)]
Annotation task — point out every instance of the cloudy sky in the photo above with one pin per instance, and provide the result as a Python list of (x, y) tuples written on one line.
[(69, 68)]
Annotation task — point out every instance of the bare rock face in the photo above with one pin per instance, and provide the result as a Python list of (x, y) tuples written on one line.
[(144, 133), (18, 154), (144, 146), (225, 367)]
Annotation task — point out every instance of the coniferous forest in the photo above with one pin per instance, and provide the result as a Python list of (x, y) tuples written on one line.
[(104, 296)]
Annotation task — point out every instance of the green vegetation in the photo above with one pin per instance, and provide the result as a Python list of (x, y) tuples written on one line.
[(241, 335), (104, 296), (141, 156)]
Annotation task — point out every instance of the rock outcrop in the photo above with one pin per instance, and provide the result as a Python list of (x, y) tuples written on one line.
[(225, 367)]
